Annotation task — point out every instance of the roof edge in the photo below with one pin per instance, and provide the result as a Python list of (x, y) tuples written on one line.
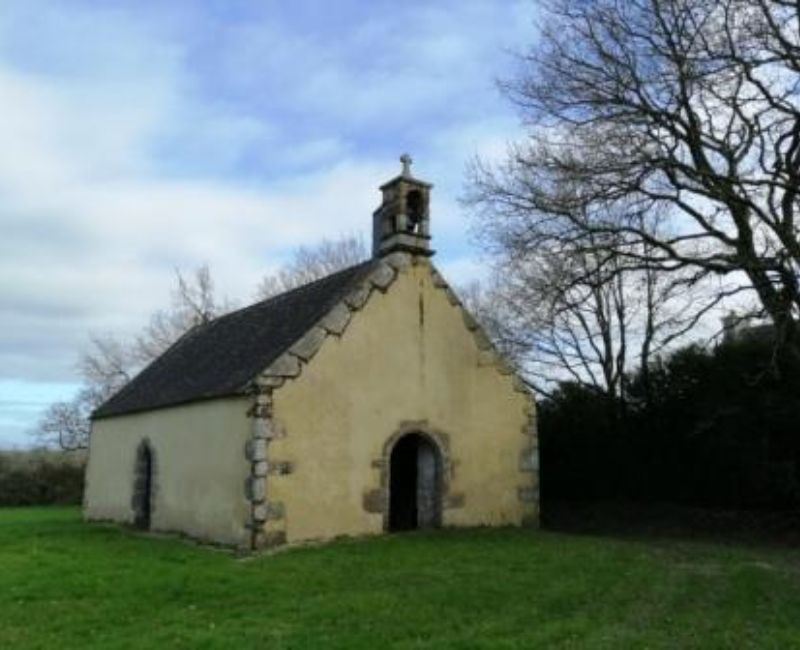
[(379, 275), (482, 340), (289, 365), (244, 391), (102, 411)]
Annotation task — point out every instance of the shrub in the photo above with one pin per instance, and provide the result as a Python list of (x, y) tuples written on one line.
[(715, 428), (41, 478)]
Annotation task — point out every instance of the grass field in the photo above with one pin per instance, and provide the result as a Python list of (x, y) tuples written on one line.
[(64, 584)]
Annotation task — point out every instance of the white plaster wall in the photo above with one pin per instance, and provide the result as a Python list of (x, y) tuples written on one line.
[(200, 468)]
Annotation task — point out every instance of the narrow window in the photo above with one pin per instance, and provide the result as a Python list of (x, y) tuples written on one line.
[(143, 487)]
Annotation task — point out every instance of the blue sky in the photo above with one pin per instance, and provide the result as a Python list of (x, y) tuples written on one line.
[(143, 136)]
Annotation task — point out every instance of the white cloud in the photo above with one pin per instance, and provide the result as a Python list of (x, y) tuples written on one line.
[(124, 156)]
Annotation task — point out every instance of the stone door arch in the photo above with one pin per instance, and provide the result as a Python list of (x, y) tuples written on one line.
[(416, 469)]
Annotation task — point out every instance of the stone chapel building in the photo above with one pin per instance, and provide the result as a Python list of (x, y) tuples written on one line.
[(364, 402)]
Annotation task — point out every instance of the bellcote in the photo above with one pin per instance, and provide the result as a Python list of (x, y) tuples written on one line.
[(402, 222)]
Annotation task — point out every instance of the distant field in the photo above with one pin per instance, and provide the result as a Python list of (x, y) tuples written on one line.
[(64, 584)]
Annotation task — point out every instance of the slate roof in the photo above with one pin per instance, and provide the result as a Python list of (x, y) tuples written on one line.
[(220, 358)]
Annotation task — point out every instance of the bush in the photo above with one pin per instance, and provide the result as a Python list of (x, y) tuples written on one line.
[(41, 478), (715, 429)]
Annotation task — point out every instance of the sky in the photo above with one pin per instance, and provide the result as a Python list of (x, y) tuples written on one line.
[(140, 137)]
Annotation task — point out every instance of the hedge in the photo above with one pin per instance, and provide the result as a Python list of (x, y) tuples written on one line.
[(41, 478)]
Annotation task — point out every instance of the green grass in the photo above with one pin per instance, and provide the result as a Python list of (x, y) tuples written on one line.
[(64, 584)]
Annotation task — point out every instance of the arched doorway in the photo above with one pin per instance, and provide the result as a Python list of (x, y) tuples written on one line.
[(415, 483), (143, 486)]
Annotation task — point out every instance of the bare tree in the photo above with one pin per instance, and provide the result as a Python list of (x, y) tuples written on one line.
[(109, 363), (312, 263), (571, 314), (66, 424), (645, 110), (194, 302)]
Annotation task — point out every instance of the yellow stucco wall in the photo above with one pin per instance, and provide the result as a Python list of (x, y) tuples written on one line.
[(200, 468), (406, 356)]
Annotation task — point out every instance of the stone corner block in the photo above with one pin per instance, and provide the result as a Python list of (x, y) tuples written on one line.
[(382, 276), (528, 494), (519, 385), (262, 429), (286, 365), (438, 281), (269, 381), (481, 339), (311, 342), (529, 460), (452, 297), (337, 319), (280, 468), (375, 501), (256, 450), (503, 366), (469, 320), (358, 297), (259, 515), (255, 488), (398, 260)]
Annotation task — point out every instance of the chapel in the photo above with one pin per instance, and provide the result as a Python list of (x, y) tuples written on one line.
[(368, 401)]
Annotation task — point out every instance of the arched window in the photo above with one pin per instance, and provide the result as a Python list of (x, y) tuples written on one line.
[(143, 483)]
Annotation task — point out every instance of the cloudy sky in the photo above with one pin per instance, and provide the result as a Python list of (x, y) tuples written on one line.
[(143, 136)]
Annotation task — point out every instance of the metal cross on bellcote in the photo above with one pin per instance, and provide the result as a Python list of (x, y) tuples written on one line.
[(406, 160)]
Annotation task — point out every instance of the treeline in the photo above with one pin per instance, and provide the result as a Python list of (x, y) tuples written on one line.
[(701, 428), (41, 477)]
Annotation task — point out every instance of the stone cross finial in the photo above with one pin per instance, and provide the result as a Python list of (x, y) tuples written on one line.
[(406, 160)]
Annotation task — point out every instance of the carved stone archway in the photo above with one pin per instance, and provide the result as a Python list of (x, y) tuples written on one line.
[(435, 457), (415, 483)]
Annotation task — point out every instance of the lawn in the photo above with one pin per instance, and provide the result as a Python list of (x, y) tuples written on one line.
[(65, 584)]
